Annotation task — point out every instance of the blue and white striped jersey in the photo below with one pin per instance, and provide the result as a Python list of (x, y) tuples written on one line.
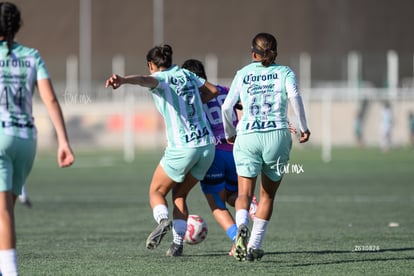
[(178, 100)]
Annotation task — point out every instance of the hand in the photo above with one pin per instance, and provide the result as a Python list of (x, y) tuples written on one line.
[(115, 81), (231, 140), (65, 156), (292, 129), (304, 136), (238, 106)]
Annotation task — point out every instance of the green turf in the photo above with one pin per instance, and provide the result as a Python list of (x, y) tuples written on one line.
[(330, 219)]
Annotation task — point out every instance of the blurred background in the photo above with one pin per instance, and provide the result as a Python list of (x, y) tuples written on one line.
[(354, 61)]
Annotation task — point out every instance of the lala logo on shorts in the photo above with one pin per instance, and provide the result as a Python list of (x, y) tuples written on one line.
[(196, 134)]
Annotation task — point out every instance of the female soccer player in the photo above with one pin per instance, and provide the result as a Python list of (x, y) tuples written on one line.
[(263, 140), (21, 69), (178, 95), (220, 183)]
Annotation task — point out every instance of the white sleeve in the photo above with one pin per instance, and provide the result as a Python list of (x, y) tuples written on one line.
[(227, 110), (299, 110), (296, 100)]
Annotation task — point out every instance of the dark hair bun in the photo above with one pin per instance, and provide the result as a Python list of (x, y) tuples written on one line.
[(166, 50)]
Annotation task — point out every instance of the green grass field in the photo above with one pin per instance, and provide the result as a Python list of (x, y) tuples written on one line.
[(331, 219)]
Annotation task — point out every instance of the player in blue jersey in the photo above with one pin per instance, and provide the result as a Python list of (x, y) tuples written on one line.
[(178, 95), (21, 70), (263, 140), (220, 183)]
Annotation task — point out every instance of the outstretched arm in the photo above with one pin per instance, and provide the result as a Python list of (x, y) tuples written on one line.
[(116, 81)]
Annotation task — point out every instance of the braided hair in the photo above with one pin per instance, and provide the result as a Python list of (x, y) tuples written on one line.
[(10, 22)]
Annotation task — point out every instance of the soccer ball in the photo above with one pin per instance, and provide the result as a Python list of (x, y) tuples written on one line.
[(196, 230)]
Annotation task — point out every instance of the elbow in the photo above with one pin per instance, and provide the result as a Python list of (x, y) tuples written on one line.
[(215, 91)]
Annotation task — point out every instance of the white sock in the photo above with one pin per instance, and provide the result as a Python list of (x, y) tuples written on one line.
[(8, 262), (160, 212), (242, 217), (258, 232), (23, 195), (179, 229)]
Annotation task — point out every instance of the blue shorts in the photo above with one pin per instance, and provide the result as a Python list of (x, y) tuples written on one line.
[(265, 152), (221, 175), (178, 162), (16, 161)]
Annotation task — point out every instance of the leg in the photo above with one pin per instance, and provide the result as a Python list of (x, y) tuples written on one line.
[(220, 212), (231, 198), (8, 257), (222, 215), (7, 229), (220, 188), (180, 214), (246, 190), (268, 189), (195, 162), (179, 196), (161, 184)]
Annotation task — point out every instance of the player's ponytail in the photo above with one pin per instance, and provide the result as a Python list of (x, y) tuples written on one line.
[(265, 45), (10, 22)]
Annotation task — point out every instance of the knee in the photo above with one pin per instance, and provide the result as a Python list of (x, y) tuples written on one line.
[(218, 202), (243, 201)]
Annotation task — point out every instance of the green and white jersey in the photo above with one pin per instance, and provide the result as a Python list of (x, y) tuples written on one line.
[(19, 73), (178, 100), (263, 92)]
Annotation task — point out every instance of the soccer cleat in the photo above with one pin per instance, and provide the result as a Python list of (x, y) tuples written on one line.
[(175, 250), (26, 202), (241, 243), (253, 207), (154, 239), (254, 254)]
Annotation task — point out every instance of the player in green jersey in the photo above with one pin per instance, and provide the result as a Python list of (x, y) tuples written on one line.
[(21, 70), (178, 95), (263, 140)]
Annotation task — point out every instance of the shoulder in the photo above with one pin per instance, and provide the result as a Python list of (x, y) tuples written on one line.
[(283, 68), (250, 66), (160, 76), (186, 72), (222, 89), (284, 71), (25, 50), (173, 70)]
